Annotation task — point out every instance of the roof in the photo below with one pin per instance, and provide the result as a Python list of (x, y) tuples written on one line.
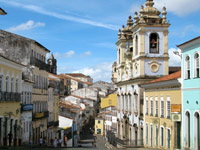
[(76, 74), (188, 41), (41, 46), (67, 104), (67, 76), (2, 12), (172, 76), (77, 96)]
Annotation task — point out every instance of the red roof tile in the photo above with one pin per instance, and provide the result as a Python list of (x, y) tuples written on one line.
[(172, 76)]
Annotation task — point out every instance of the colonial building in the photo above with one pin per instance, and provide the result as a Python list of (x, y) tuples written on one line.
[(142, 55), (99, 126), (26, 109), (109, 111), (10, 96), (53, 105), (191, 93), (162, 107), (40, 91)]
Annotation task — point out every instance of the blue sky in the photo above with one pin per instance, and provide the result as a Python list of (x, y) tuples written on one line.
[(82, 33)]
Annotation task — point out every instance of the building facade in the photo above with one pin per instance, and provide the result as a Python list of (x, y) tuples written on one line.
[(99, 126), (142, 55), (10, 96), (40, 91), (162, 109), (26, 110), (191, 93)]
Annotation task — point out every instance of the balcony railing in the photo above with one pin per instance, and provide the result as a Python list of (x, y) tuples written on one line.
[(40, 115), (112, 139), (10, 96), (53, 124), (40, 64)]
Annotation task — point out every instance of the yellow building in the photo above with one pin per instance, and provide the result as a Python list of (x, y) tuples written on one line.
[(99, 126), (10, 96), (162, 105), (40, 91), (111, 100)]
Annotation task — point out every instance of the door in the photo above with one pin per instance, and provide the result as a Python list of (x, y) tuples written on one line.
[(178, 135)]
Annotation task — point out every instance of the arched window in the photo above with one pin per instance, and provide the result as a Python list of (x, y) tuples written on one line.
[(136, 45), (196, 66), (187, 129), (17, 85), (7, 84), (12, 85), (154, 43), (187, 67)]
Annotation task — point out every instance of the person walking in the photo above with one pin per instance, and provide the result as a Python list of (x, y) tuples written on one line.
[(10, 136), (41, 141), (55, 142)]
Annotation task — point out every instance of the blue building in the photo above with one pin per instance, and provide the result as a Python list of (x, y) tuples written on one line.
[(191, 94)]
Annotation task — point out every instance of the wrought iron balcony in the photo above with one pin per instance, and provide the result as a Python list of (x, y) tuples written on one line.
[(10, 96), (40, 64), (53, 124)]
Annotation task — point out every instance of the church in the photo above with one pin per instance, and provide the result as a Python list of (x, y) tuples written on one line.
[(142, 56)]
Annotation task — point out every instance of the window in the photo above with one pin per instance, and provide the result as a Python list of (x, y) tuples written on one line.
[(154, 43), (98, 131), (156, 103), (119, 56), (130, 103), (99, 121), (168, 107), (156, 136), (168, 138), (196, 66), (187, 67), (12, 85), (136, 103), (162, 107), (162, 136), (17, 85), (146, 134), (151, 101), (151, 132), (136, 45), (7, 84), (1, 83), (147, 105)]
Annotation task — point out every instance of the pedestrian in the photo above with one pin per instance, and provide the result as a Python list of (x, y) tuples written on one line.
[(41, 141), (55, 142), (66, 140), (60, 142), (10, 138)]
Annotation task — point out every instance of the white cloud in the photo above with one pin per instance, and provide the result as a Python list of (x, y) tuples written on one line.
[(179, 7), (87, 53), (174, 60), (101, 71), (26, 26), (64, 55), (62, 16)]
